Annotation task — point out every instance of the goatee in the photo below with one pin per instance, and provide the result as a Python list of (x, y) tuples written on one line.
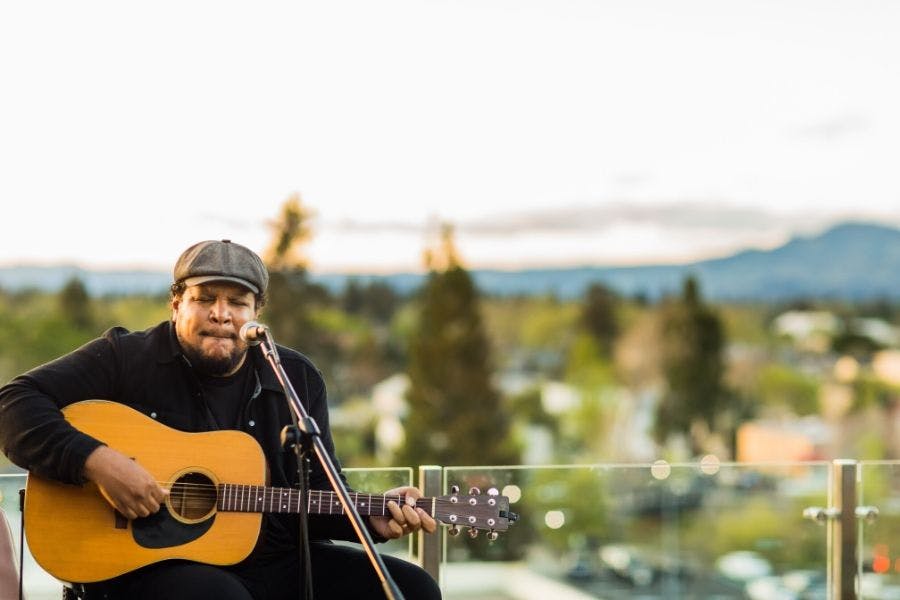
[(214, 366)]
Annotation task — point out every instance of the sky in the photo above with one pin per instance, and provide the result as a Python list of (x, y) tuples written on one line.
[(547, 132)]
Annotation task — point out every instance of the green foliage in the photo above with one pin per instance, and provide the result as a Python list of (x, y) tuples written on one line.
[(36, 327), (693, 364), (746, 324), (581, 495), (376, 300), (598, 316), (533, 334), (779, 384), (455, 412), (75, 304), (870, 392), (765, 523)]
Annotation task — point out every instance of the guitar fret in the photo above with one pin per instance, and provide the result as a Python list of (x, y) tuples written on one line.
[(255, 498)]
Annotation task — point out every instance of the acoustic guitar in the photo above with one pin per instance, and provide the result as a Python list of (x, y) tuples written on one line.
[(213, 513)]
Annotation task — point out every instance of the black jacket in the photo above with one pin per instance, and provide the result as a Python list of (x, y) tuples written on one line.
[(147, 371)]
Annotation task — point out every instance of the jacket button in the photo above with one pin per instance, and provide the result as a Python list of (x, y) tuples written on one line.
[(153, 415), (252, 423)]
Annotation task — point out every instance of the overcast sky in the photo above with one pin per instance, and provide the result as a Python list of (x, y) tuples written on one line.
[(549, 132)]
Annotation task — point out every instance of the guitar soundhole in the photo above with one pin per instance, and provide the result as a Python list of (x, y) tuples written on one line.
[(192, 497)]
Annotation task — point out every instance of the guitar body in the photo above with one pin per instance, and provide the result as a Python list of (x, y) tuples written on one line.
[(76, 535)]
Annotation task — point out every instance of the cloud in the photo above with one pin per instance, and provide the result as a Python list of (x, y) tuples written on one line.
[(374, 227), (834, 128), (585, 218), (700, 214), (688, 219)]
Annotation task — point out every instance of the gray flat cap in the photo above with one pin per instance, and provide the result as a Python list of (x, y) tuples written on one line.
[(215, 260)]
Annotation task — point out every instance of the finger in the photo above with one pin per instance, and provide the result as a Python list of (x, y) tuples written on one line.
[(412, 519), (428, 523), (396, 529), (159, 494), (127, 512), (396, 512)]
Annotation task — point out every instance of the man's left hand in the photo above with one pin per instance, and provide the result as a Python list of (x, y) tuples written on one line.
[(403, 519)]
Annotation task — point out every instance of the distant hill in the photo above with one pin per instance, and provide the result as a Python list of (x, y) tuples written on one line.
[(852, 261)]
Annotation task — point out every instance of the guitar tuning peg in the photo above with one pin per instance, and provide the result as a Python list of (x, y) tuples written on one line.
[(474, 491), (473, 533), (453, 531), (493, 535), (454, 489), (493, 492)]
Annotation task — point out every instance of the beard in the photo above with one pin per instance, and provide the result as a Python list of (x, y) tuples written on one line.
[(215, 366)]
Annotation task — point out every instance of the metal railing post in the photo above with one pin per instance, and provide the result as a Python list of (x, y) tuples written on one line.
[(842, 530), (430, 548)]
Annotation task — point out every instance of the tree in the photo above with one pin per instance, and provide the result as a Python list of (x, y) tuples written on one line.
[(75, 304), (291, 232), (693, 367), (291, 296), (455, 413), (598, 316)]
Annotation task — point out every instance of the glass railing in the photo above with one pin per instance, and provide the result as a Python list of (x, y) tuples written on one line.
[(810, 530), (879, 529), (703, 530)]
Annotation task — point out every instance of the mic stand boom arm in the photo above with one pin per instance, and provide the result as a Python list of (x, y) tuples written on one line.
[(310, 430)]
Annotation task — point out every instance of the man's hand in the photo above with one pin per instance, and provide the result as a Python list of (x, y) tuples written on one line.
[(128, 486), (404, 519)]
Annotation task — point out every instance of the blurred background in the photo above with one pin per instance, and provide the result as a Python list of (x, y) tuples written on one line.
[(508, 232)]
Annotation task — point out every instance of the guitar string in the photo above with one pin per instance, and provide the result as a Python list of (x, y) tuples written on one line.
[(204, 487), (195, 500), (272, 492)]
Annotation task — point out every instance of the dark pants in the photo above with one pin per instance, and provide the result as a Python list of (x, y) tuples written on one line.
[(338, 572)]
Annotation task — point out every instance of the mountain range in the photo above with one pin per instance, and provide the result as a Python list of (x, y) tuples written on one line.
[(851, 261)]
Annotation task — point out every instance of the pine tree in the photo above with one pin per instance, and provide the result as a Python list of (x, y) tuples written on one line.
[(75, 304), (455, 412), (598, 316), (693, 366), (291, 294)]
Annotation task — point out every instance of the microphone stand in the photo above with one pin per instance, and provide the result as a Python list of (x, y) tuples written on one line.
[(310, 437)]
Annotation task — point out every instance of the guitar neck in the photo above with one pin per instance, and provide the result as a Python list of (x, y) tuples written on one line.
[(255, 498)]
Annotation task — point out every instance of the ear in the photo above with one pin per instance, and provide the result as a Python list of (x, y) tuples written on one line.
[(176, 302)]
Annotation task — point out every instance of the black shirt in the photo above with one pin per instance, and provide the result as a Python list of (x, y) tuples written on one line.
[(225, 395)]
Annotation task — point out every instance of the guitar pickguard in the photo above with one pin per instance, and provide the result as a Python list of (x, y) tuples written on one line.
[(162, 530)]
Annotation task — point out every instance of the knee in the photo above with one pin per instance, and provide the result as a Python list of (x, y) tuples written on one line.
[(414, 581)]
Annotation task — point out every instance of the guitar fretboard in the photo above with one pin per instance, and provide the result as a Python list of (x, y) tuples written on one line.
[(257, 498)]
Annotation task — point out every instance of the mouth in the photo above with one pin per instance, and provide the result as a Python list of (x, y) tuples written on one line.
[(221, 335)]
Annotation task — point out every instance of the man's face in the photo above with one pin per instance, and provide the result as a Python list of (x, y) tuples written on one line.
[(207, 319)]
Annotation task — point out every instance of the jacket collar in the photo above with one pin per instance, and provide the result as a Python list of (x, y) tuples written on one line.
[(267, 378), (168, 348)]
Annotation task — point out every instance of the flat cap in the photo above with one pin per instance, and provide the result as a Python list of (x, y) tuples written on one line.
[(215, 260)]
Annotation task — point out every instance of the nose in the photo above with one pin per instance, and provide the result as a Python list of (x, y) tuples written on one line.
[(220, 312)]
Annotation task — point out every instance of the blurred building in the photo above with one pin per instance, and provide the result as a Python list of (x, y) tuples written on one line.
[(789, 440)]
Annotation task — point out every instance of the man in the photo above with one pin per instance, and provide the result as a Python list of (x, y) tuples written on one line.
[(194, 373)]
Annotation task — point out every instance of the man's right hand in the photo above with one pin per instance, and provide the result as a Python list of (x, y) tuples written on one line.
[(128, 486)]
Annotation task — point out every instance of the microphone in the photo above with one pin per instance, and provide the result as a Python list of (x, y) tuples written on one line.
[(253, 333)]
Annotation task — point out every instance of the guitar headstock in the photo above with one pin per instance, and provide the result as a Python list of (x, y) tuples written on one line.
[(474, 510)]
